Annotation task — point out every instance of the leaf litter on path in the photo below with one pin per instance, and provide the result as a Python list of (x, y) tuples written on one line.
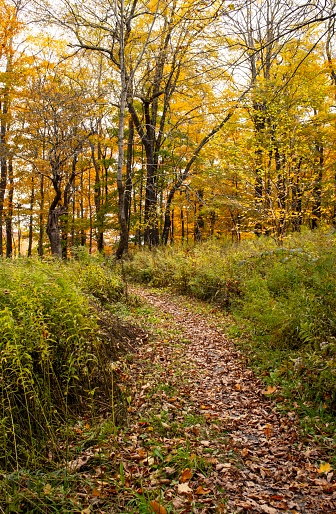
[(215, 438)]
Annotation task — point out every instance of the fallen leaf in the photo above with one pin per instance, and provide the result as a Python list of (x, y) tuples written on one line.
[(148, 462), (268, 510), (95, 493), (269, 390), (212, 460), (238, 387), (170, 471), (244, 452), (157, 508), (200, 491), (282, 505), (268, 430), (325, 467), (227, 465), (178, 503), (184, 488), (186, 475), (141, 453), (86, 511), (47, 489)]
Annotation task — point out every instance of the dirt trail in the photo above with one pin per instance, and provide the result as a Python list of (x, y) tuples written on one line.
[(260, 464)]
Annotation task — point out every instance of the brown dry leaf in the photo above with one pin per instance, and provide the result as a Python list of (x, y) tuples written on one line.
[(268, 510), (270, 390), (157, 508), (184, 488), (245, 505), (244, 452), (76, 464), (238, 387), (212, 460), (86, 511), (282, 506), (200, 491), (95, 493), (178, 503), (186, 475)]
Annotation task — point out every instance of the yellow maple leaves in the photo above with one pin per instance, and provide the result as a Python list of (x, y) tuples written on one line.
[(325, 467)]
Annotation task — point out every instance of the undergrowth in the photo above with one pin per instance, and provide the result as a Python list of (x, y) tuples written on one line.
[(283, 297), (55, 358)]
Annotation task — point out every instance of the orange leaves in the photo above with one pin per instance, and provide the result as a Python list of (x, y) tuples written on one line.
[(157, 508), (269, 391), (268, 430), (200, 491), (186, 475)]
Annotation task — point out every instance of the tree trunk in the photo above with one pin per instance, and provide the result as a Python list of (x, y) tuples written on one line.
[(98, 198), (317, 190), (129, 171), (3, 168), (41, 218), (53, 231), (31, 208), (123, 241), (9, 215)]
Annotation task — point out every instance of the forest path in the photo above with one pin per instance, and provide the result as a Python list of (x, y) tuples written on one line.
[(196, 393)]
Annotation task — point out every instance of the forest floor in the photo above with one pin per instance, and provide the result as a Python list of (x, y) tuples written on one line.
[(204, 434)]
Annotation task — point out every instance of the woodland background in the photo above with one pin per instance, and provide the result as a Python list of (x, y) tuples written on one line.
[(163, 121), (202, 130)]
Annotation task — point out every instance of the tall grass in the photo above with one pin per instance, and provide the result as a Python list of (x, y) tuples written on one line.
[(55, 361)]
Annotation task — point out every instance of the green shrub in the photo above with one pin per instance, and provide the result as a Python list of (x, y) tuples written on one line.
[(54, 360)]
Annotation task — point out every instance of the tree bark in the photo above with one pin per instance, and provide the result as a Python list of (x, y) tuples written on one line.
[(9, 215), (31, 208)]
